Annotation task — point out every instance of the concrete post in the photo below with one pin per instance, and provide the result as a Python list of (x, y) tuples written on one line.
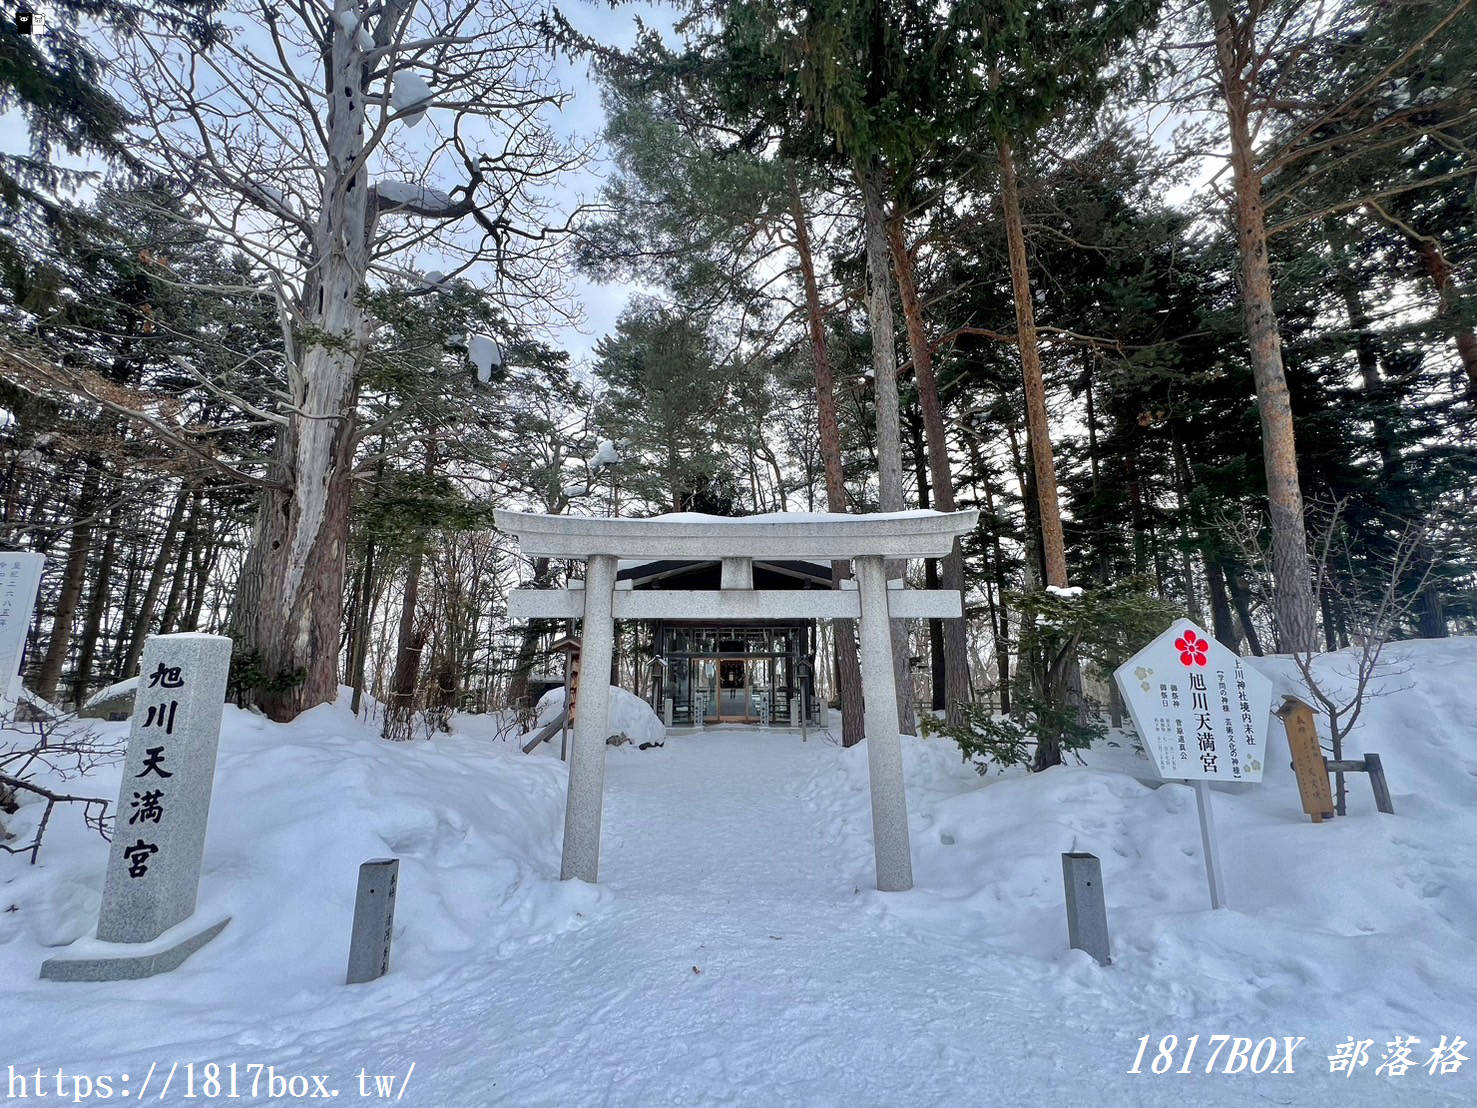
[(591, 727), (374, 920), (1087, 917), (884, 748)]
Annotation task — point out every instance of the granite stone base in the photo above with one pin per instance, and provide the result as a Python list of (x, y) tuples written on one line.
[(93, 960)]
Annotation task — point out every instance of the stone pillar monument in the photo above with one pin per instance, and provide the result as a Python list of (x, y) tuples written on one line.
[(145, 925)]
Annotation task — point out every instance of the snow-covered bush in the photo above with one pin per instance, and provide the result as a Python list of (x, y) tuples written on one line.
[(630, 716)]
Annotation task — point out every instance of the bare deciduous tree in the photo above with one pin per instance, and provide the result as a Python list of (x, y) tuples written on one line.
[(54, 752), (1371, 596), (333, 145), (1367, 597)]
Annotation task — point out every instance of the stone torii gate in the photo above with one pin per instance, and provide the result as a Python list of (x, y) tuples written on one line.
[(869, 541)]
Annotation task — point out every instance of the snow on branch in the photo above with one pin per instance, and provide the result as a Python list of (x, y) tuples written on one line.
[(409, 198)]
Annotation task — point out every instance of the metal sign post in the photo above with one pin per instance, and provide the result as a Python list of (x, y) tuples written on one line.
[(1209, 844), (570, 648), (1202, 716)]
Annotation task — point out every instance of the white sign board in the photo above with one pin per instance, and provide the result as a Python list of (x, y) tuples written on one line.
[(20, 576), (1201, 714)]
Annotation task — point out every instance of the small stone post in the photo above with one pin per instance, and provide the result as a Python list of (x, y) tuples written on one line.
[(153, 873), (374, 920), (1087, 916)]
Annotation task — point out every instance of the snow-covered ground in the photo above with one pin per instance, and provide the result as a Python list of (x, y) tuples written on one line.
[(735, 953)]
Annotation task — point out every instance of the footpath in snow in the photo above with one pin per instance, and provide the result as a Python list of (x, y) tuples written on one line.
[(735, 952)]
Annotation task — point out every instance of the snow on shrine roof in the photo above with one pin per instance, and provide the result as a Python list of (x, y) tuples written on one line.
[(127, 687), (691, 536)]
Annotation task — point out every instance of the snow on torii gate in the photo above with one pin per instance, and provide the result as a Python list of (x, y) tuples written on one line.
[(868, 540)]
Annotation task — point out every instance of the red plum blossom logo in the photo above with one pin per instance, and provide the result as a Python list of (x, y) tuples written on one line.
[(1192, 649)]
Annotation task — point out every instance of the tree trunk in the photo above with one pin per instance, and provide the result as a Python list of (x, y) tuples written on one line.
[(843, 639), (1222, 625), (938, 700), (1241, 598), (1466, 342), (144, 618), (189, 536), (70, 594), (363, 611), (1431, 620), (1026, 482), (889, 434), (533, 630), (1000, 617), (1293, 596), (952, 633), (1184, 481), (1065, 683), (301, 544), (1053, 545), (410, 642), (1104, 566), (92, 622), (202, 561)]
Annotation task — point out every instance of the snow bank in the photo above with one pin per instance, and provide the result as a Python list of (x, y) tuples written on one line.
[(629, 715), (297, 808), (1365, 925)]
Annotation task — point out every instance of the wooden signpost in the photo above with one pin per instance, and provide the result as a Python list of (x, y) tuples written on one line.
[(1308, 764), (570, 648), (1312, 768)]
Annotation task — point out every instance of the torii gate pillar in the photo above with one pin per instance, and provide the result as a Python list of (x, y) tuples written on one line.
[(867, 540), (884, 746), (586, 795)]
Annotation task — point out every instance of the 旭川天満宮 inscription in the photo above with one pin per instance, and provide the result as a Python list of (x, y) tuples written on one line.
[(1200, 713), (153, 875)]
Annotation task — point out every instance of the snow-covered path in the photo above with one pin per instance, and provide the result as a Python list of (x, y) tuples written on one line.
[(738, 963), (734, 952)]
